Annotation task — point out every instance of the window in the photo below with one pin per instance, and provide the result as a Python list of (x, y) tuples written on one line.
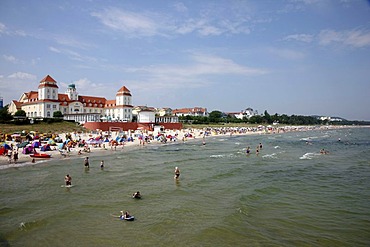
[(47, 106), (48, 114)]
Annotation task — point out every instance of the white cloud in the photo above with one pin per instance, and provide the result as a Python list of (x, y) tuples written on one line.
[(206, 27), (5, 30), (202, 71), (288, 54), (72, 42), (200, 26), (2, 28), (213, 65), (10, 58), (153, 24), (22, 76), (354, 38), (300, 37), (130, 22), (180, 7), (53, 49), (85, 86), (73, 55)]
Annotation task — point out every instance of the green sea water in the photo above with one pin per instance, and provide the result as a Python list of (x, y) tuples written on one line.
[(288, 195)]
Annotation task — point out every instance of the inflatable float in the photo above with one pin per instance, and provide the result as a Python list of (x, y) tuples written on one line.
[(130, 218), (40, 155)]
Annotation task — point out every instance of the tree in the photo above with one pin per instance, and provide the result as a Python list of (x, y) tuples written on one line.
[(57, 114), (5, 115), (20, 113), (215, 116), (256, 119), (267, 117)]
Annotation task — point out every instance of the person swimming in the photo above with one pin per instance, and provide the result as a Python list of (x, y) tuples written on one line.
[(86, 162), (177, 172), (124, 215), (137, 195)]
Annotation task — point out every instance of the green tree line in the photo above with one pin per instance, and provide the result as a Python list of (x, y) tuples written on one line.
[(266, 118)]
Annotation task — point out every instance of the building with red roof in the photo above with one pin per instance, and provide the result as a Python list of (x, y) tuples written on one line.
[(47, 100)]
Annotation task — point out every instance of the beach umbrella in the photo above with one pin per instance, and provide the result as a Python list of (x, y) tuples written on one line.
[(51, 142), (36, 144), (6, 146), (23, 144)]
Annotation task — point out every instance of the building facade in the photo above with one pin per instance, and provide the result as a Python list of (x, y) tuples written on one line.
[(44, 102), (194, 112)]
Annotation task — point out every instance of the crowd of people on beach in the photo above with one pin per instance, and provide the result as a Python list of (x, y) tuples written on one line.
[(67, 144)]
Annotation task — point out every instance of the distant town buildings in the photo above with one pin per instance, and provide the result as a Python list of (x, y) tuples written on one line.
[(330, 119), (194, 112), (247, 113)]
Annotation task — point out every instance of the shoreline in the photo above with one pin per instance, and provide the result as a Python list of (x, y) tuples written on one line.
[(181, 136)]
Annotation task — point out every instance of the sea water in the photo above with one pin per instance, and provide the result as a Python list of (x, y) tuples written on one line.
[(288, 195)]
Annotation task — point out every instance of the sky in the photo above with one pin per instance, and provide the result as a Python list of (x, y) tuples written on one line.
[(301, 57)]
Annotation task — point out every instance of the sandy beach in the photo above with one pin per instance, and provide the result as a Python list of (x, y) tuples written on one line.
[(147, 138)]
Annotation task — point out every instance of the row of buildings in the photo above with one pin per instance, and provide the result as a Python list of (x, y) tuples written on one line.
[(47, 100)]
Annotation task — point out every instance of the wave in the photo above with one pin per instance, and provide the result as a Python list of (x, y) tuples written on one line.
[(307, 156), (217, 156), (270, 156)]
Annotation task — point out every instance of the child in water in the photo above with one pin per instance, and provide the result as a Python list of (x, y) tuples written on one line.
[(177, 172)]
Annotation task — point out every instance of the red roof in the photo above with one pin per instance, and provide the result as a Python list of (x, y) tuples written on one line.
[(123, 91), (48, 78), (17, 104)]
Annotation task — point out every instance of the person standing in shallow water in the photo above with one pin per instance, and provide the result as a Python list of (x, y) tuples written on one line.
[(86, 162), (177, 172), (68, 180)]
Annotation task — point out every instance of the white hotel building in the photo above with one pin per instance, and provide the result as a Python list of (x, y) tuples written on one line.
[(47, 100)]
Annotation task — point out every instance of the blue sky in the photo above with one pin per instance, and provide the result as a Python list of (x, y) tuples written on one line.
[(302, 57)]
